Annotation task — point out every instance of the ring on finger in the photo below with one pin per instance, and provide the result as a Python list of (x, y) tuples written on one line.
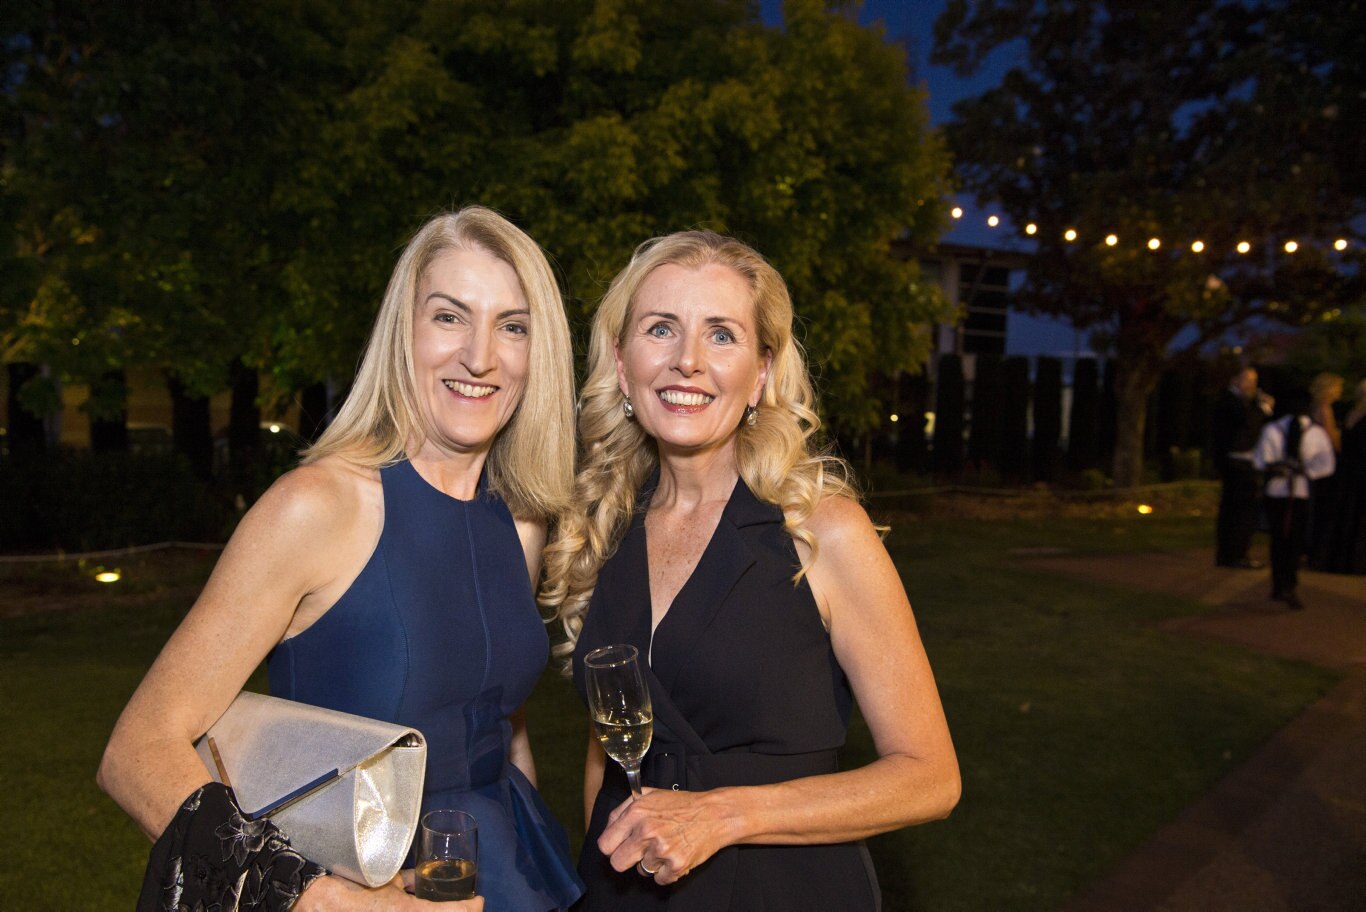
[(644, 871)]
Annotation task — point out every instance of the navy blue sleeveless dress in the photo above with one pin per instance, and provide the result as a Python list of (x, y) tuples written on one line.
[(440, 632), (746, 690)]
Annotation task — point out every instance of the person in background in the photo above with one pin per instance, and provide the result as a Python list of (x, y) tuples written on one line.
[(1347, 543), (709, 533), (1239, 414), (391, 576), (1324, 392), (1293, 451)]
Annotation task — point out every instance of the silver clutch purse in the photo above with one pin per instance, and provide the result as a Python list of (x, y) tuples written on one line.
[(345, 789)]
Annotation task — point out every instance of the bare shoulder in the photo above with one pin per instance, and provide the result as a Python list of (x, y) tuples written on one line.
[(310, 521), (841, 525), (319, 496)]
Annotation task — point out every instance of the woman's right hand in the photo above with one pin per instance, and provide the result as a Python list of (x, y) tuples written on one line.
[(337, 893)]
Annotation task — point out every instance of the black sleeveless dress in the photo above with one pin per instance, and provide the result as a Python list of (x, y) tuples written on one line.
[(746, 691)]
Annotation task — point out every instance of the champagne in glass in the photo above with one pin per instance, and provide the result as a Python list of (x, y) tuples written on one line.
[(620, 703)]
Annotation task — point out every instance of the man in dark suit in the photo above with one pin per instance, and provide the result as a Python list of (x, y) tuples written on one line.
[(1238, 418)]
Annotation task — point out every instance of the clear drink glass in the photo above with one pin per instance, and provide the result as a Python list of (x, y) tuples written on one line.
[(448, 856), (623, 719)]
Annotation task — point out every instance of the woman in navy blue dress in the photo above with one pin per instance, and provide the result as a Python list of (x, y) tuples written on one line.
[(390, 576), (709, 534)]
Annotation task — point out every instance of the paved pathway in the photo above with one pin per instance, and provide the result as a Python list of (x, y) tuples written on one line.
[(1287, 831)]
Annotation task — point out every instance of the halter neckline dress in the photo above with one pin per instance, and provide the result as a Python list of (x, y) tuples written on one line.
[(440, 632)]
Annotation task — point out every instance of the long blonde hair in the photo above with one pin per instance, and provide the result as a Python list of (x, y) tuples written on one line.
[(776, 456), (530, 464)]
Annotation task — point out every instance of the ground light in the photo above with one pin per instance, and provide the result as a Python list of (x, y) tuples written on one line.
[(1145, 509), (108, 576)]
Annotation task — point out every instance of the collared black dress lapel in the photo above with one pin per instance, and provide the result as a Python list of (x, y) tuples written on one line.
[(746, 691)]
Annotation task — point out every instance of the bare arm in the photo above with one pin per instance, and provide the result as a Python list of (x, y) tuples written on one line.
[(519, 752), (915, 778), (532, 535), (292, 555), (594, 766), (275, 560)]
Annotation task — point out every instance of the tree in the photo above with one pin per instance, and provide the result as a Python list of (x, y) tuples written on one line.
[(140, 145), (596, 124), (1208, 121), (257, 166)]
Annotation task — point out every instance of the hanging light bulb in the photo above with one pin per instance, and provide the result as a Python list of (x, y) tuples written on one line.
[(1154, 243), (1111, 240), (956, 212), (1291, 246), (1070, 235), (1244, 246), (1340, 244), (1032, 228), (993, 221), (1198, 247)]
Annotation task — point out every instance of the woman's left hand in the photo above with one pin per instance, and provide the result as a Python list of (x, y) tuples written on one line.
[(666, 832)]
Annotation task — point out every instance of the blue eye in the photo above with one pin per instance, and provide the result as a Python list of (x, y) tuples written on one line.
[(659, 330), (724, 336)]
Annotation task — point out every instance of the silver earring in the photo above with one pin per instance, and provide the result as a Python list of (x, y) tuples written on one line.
[(751, 415), (628, 408)]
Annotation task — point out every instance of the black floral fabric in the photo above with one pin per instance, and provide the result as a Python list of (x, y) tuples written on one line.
[(212, 859)]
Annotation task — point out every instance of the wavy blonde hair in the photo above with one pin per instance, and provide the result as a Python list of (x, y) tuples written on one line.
[(776, 457), (530, 464)]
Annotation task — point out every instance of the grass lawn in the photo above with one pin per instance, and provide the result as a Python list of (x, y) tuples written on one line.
[(1080, 728)]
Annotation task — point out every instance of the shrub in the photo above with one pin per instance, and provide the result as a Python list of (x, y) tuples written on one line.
[(79, 501)]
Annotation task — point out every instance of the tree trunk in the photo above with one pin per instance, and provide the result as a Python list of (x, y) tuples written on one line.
[(25, 435), (244, 420), (190, 428), (109, 413), (1135, 380)]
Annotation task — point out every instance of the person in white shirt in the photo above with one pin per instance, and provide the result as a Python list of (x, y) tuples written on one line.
[(1292, 451)]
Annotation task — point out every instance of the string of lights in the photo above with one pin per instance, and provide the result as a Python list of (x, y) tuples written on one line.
[(1072, 236)]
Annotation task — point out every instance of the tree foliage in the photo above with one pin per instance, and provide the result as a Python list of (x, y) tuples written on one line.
[(1217, 120), (205, 182)]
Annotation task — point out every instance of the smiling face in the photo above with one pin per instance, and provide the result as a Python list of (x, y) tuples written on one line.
[(470, 349), (689, 359)]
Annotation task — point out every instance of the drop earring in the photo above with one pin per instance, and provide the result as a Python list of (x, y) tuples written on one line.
[(751, 415), (628, 409)]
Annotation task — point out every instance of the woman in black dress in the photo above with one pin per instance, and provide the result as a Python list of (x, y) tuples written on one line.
[(708, 533), (1347, 549)]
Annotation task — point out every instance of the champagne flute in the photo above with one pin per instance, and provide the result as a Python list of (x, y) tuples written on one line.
[(620, 703)]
